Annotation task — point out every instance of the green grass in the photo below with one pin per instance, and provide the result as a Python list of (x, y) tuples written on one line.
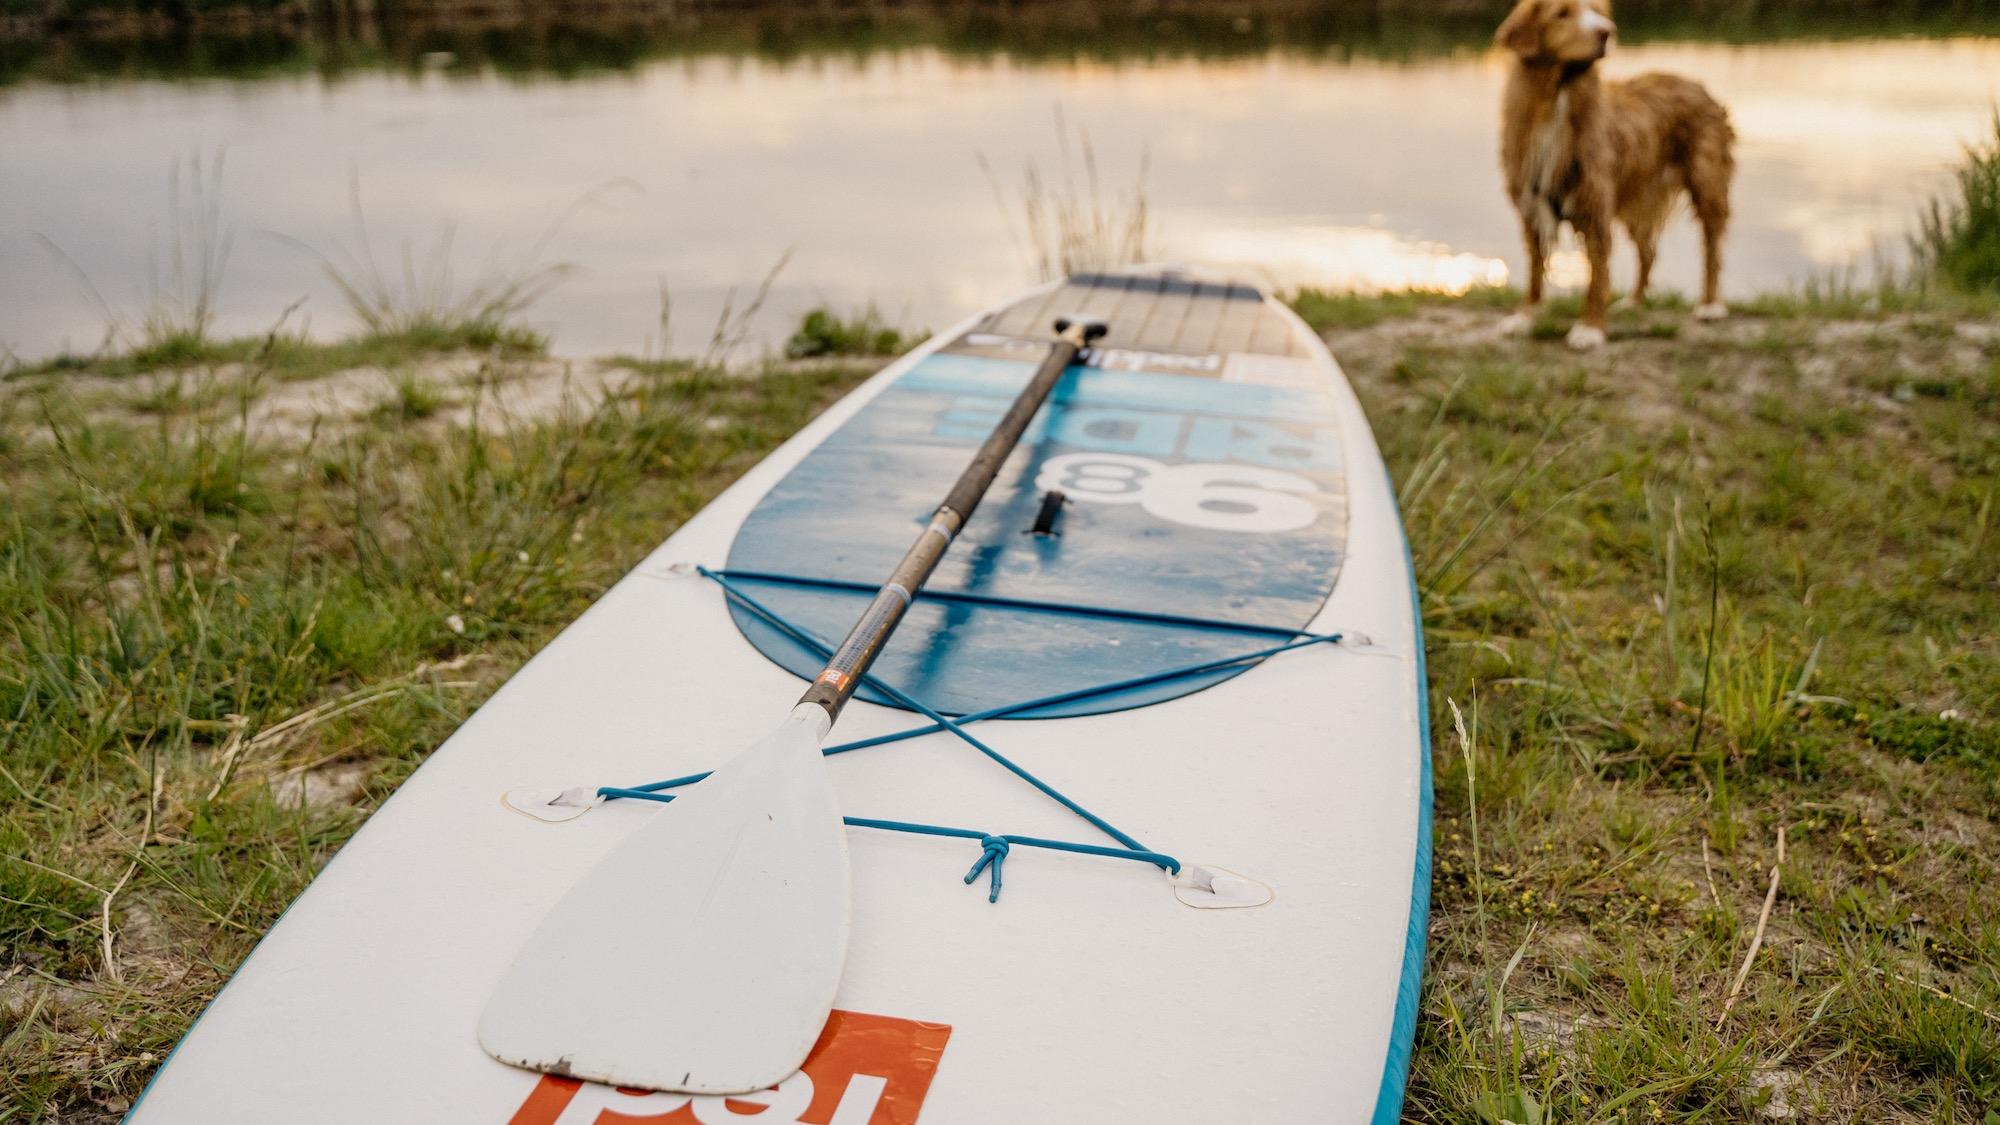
[(175, 586), (824, 332), (412, 398), (1686, 590), (286, 356), (1841, 295), (422, 308), (1329, 311), (1958, 239), (1955, 260), (1325, 309)]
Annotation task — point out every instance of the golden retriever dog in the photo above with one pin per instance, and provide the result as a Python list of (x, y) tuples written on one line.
[(1577, 148)]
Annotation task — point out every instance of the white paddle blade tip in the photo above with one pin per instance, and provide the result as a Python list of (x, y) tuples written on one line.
[(702, 953)]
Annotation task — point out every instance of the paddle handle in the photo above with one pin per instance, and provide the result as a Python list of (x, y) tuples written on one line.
[(835, 685)]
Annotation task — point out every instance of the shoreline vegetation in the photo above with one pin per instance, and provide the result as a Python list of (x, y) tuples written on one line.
[(71, 40)]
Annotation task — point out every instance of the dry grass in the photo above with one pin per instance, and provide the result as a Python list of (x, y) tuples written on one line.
[(1069, 224)]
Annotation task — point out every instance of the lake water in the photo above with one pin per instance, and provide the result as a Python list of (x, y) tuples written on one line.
[(700, 170)]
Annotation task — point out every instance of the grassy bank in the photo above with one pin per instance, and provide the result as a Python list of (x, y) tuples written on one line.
[(1709, 584), (1958, 237), (243, 597)]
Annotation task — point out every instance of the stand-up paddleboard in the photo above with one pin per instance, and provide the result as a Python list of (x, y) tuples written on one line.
[(1169, 679)]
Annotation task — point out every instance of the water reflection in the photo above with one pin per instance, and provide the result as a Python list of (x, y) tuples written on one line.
[(1365, 259), (1306, 168)]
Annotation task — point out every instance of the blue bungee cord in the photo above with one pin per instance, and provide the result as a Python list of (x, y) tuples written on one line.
[(994, 847)]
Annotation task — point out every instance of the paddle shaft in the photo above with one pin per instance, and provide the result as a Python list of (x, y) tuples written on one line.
[(834, 686)]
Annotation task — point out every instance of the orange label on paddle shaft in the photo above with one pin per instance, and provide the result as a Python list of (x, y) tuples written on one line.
[(865, 1070)]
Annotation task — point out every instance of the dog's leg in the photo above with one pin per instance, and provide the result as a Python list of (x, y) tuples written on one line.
[(1645, 217), (1711, 307), (1647, 242), (1533, 236), (1709, 172), (1588, 332)]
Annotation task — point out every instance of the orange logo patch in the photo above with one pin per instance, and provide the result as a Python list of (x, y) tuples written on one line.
[(865, 1070)]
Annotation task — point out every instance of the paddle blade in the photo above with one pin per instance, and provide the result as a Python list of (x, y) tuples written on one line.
[(702, 954)]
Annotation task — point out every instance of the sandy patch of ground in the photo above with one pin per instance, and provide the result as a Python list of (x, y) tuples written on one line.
[(1644, 373), (452, 388)]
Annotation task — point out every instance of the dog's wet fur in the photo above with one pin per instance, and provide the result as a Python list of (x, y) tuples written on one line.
[(1579, 149)]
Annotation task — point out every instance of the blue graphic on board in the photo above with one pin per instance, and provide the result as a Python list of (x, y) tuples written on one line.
[(1188, 495)]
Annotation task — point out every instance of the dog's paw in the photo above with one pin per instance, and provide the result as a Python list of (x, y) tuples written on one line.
[(1585, 337), (1517, 323), (1714, 310)]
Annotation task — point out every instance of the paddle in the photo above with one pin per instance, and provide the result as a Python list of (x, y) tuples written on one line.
[(702, 954)]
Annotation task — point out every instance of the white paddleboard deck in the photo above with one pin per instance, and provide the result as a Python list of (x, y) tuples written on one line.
[(1090, 992)]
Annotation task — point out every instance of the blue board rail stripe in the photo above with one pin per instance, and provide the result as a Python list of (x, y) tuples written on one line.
[(1409, 982)]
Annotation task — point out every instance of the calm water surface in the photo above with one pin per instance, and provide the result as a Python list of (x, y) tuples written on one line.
[(866, 168)]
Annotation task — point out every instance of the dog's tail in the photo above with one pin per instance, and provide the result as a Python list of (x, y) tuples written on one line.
[(1711, 165)]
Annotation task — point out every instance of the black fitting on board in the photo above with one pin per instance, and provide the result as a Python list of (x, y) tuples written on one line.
[(1052, 506), (1094, 327)]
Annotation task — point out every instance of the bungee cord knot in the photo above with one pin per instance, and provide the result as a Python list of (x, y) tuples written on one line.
[(993, 851)]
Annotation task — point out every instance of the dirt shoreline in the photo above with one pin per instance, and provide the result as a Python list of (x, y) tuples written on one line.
[(495, 388)]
